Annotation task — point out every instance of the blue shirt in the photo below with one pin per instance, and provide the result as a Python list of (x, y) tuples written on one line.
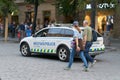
[(22, 27), (28, 33)]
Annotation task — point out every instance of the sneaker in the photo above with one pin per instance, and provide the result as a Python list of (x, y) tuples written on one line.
[(92, 64), (86, 69), (67, 68)]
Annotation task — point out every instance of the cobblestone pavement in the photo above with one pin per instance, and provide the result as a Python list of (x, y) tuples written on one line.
[(13, 66)]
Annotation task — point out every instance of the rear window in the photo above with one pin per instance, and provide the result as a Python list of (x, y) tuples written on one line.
[(68, 33)]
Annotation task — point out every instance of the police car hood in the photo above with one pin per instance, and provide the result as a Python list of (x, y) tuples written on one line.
[(26, 39)]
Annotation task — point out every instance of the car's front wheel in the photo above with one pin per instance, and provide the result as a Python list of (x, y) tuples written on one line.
[(25, 50), (63, 53)]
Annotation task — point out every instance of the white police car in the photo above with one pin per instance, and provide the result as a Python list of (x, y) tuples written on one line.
[(56, 40)]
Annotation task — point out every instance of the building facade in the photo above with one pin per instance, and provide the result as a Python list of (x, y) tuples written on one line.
[(104, 13), (46, 11)]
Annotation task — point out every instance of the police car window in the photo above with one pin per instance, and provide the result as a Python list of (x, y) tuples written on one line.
[(68, 33), (42, 33), (62, 32), (54, 32)]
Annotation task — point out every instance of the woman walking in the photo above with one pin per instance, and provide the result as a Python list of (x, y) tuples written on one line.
[(79, 47)]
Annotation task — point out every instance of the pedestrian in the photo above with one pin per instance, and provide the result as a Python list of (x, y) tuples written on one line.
[(103, 24), (46, 24), (26, 25), (37, 27), (22, 30), (28, 32), (78, 47), (12, 29), (108, 26), (87, 38), (1, 28), (51, 23)]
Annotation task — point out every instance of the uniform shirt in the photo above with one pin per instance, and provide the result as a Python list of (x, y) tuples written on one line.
[(88, 32)]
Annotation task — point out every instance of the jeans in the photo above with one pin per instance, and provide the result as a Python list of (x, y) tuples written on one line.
[(86, 52), (81, 55)]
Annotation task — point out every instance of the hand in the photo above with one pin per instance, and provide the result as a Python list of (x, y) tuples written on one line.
[(77, 49), (83, 45)]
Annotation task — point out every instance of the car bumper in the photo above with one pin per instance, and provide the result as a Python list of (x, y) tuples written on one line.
[(96, 52)]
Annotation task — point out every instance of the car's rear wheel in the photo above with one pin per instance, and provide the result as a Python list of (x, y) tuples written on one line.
[(25, 50), (63, 53)]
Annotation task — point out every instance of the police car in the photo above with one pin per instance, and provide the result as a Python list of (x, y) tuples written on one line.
[(56, 40)]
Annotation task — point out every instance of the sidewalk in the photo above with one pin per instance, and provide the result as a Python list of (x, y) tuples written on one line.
[(9, 39), (114, 45)]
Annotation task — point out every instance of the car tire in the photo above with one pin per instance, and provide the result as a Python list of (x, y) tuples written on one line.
[(63, 53), (25, 50)]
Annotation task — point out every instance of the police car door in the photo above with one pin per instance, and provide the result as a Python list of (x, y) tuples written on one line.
[(39, 41)]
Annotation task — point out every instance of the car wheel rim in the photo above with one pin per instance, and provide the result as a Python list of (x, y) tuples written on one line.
[(24, 50), (62, 54)]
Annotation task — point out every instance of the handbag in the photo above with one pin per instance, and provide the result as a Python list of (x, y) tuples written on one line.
[(80, 44)]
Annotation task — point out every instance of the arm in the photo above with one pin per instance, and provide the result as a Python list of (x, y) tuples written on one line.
[(76, 41), (77, 47), (84, 39), (85, 36)]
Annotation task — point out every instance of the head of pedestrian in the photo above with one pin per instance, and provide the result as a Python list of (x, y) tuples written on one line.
[(85, 23), (75, 23)]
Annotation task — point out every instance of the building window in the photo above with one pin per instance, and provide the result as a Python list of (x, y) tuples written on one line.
[(46, 16), (29, 16)]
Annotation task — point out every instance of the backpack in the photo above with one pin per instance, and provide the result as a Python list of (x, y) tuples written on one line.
[(94, 35)]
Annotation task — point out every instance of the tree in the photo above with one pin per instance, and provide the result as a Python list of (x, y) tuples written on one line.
[(36, 3), (70, 8), (73, 8), (7, 7)]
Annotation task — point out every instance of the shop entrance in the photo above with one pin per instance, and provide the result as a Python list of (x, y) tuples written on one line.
[(46, 18), (102, 19)]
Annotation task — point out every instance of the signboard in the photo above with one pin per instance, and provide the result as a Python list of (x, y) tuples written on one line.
[(102, 6)]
